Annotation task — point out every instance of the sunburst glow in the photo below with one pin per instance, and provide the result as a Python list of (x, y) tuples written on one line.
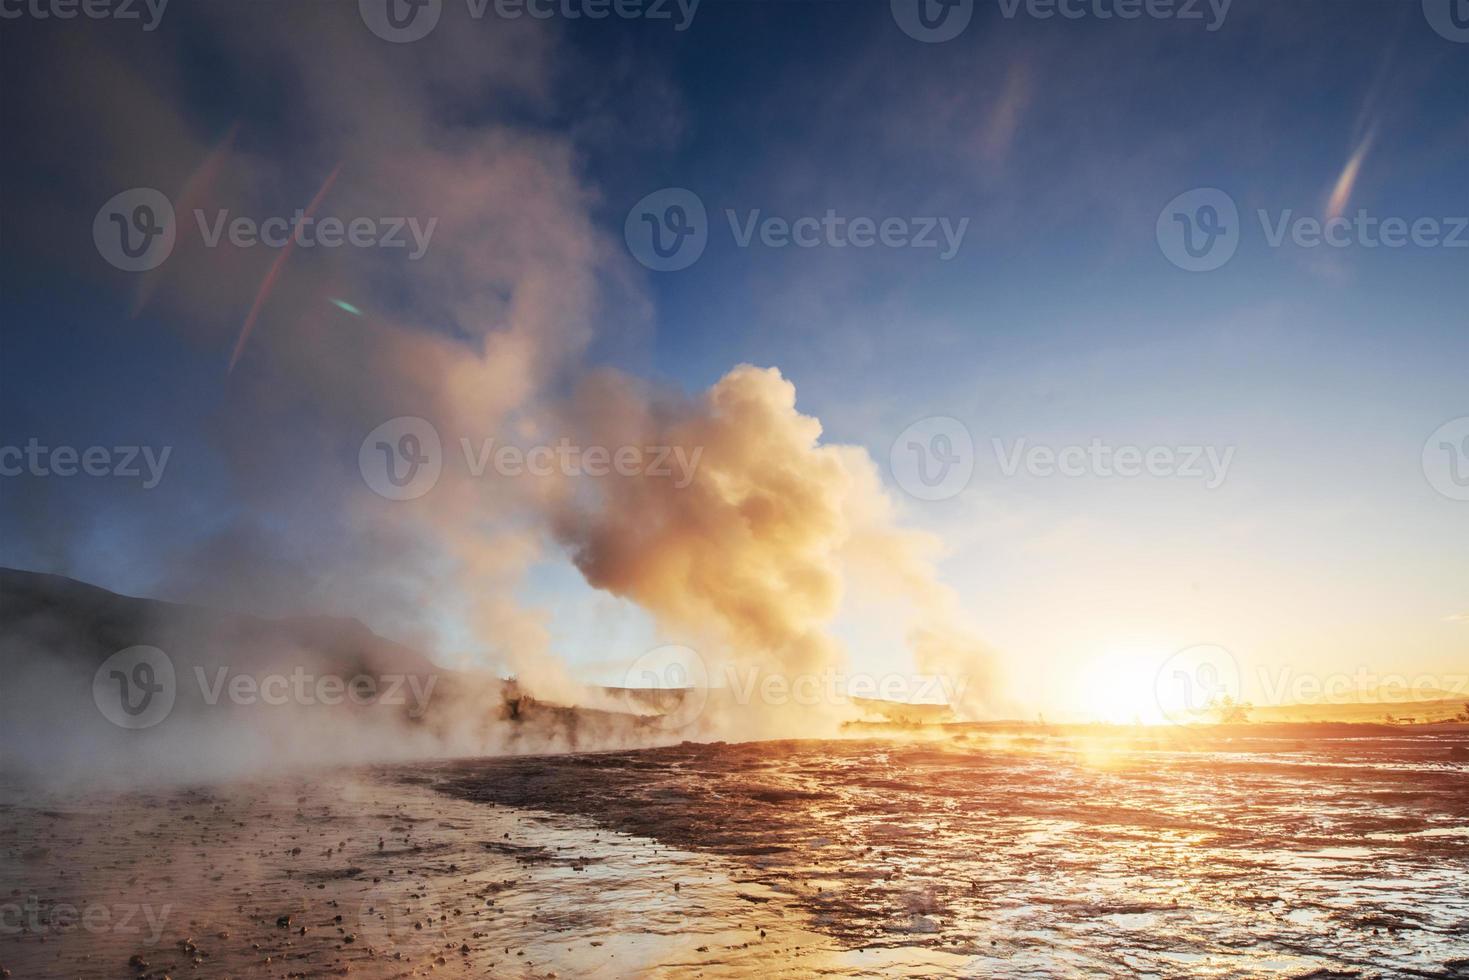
[(1119, 686)]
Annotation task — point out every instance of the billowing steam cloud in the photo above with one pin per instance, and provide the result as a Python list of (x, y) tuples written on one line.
[(485, 336), (750, 559)]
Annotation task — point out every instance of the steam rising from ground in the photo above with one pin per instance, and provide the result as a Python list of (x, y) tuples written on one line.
[(485, 336), (748, 563)]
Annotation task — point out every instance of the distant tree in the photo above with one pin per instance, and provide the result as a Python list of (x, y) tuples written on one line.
[(1228, 711)]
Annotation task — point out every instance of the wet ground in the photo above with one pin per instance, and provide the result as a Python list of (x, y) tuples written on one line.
[(375, 875), (1097, 855), (981, 855)]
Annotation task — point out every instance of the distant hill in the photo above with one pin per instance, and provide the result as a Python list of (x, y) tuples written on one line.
[(900, 713), (61, 618), (1395, 712), (244, 691)]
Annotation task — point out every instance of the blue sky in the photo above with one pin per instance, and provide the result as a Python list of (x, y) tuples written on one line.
[(1059, 320)]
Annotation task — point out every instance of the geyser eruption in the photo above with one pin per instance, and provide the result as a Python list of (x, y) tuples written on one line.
[(486, 335)]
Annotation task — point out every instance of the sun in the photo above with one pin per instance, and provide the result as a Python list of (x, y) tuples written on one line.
[(1119, 686)]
